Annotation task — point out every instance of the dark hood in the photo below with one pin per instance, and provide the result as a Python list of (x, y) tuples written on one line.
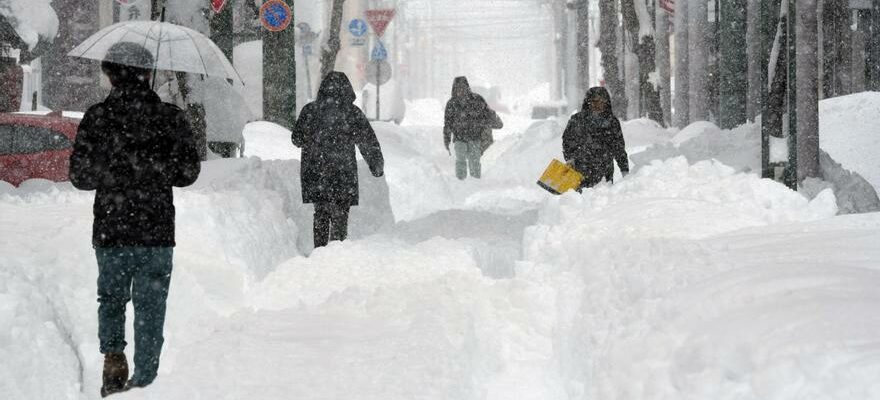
[(601, 93), (337, 88), (460, 84), (133, 91)]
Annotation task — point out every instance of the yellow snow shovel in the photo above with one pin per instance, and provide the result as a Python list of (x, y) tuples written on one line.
[(560, 177)]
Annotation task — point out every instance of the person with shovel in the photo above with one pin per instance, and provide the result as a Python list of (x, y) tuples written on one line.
[(593, 140), (132, 149)]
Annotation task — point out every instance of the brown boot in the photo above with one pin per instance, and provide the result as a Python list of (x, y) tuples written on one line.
[(115, 373)]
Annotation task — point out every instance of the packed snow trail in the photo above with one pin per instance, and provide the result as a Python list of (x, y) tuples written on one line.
[(680, 281)]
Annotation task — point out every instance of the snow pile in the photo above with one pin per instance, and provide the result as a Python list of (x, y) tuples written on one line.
[(856, 147), (269, 141), (32, 19), (699, 282), (850, 134), (279, 181), (359, 269)]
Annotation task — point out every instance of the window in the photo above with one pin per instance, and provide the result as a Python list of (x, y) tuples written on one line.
[(18, 139)]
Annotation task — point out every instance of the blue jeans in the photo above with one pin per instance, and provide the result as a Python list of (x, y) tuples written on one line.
[(140, 274)]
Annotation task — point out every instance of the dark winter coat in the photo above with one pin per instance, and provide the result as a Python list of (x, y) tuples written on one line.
[(593, 142), (328, 130), (468, 116), (132, 149)]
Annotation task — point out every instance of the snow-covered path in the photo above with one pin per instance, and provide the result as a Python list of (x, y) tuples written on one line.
[(679, 282)]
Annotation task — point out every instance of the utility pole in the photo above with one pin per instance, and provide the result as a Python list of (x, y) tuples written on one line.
[(807, 65), (279, 73), (682, 83), (222, 32), (733, 66), (608, 46), (582, 35)]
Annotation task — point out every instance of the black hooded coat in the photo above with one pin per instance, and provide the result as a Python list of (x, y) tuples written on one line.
[(132, 148), (467, 115), (327, 130), (592, 142)]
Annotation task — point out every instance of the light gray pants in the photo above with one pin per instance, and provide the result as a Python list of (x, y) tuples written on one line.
[(467, 157)]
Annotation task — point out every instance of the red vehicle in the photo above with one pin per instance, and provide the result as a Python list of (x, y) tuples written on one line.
[(36, 146)]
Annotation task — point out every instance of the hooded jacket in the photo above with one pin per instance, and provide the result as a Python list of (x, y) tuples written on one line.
[(593, 142), (467, 115), (132, 148), (327, 130)]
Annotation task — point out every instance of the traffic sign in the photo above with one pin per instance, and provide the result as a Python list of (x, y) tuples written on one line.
[(218, 5), (379, 19), (379, 53), (378, 71), (357, 27), (275, 15)]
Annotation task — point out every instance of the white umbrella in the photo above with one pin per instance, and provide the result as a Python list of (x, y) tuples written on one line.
[(174, 47)]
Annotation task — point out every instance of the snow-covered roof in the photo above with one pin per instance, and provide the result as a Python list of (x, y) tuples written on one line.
[(31, 19)]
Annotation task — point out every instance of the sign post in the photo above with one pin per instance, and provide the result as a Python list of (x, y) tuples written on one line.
[(279, 63), (379, 20)]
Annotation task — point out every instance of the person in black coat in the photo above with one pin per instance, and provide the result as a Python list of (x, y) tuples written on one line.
[(327, 130), (132, 149), (468, 122), (593, 140)]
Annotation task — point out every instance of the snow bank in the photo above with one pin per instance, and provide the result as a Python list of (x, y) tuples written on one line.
[(694, 281), (850, 134), (31, 19), (740, 148)]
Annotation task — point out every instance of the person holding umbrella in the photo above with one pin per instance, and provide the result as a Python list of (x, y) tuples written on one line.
[(132, 149), (327, 130)]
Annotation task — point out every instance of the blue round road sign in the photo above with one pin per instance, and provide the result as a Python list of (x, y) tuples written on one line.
[(357, 27), (275, 15)]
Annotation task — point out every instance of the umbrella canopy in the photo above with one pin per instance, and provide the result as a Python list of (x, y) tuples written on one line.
[(174, 48)]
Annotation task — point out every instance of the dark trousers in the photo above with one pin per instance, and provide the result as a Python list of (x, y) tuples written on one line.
[(142, 275), (331, 223)]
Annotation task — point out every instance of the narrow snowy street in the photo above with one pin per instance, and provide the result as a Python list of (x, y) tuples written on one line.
[(682, 280)]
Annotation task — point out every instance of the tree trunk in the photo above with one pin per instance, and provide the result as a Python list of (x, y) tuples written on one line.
[(663, 62), (682, 61), (754, 56), (610, 62), (698, 70), (583, 45), (328, 55), (806, 23), (638, 22), (156, 9), (733, 66), (837, 42)]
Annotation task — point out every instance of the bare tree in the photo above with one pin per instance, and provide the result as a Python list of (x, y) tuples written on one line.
[(329, 52), (637, 21)]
